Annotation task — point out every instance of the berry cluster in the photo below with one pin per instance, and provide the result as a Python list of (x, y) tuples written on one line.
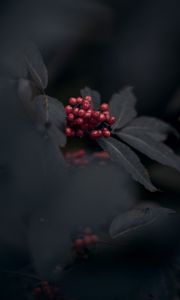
[(83, 120), (45, 291), (82, 245)]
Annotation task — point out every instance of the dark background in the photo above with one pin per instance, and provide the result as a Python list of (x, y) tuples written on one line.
[(105, 45)]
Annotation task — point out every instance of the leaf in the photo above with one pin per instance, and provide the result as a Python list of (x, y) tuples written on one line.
[(57, 136), (36, 66), (122, 106), (153, 149), (136, 219), (96, 98), (51, 112), (123, 155), (156, 128), (26, 92)]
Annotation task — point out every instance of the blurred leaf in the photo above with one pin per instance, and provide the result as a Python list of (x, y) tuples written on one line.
[(50, 110), (122, 106), (26, 92), (123, 155), (154, 127), (96, 98), (57, 136), (137, 218), (36, 66), (153, 149), (51, 113)]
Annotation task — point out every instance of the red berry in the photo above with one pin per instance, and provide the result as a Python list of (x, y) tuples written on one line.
[(79, 121), (88, 98), (68, 131), (107, 115), (99, 133), (86, 105), (68, 109), (72, 101), (70, 117), (78, 243), (79, 100), (96, 115), (106, 133), (94, 239), (79, 133), (87, 115), (111, 120), (102, 118), (76, 111), (81, 113), (94, 134), (104, 106)]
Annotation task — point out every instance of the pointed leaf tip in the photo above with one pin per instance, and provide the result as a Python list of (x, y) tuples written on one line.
[(124, 156)]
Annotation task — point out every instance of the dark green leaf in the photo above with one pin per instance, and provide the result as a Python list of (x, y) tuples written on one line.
[(51, 111), (123, 155), (137, 218), (36, 66), (153, 149), (122, 106), (26, 92), (156, 128)]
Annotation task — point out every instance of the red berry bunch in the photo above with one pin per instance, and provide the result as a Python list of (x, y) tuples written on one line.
[(82, 244), (83, 120), (45, 291)]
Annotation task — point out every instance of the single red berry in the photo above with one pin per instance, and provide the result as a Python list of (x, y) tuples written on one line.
[(107, 115), (94, 239), (104, 106), (96, 115), (79, 133), (88, 98), (79, 100), (106, 133), (68, 109), (94, 134), (87, 115), (78, 243), (68, 131), (81, 113), (99, 133), (102, 118), (86, 105), (79, 121), (70, 117), (111, 120), (76, 111), (72, 101)]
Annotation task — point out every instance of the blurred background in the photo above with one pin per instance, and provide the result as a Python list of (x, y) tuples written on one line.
[(104, 44)]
